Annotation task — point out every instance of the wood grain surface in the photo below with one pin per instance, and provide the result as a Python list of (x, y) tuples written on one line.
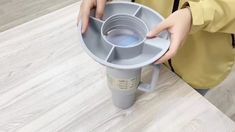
[(16, 12), (48, 83)]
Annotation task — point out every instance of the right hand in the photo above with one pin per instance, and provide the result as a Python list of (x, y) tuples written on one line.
[(85, 8), (179, 25)]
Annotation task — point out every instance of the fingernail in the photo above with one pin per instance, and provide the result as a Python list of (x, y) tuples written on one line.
[(149, 34), (83, 30), (98, 17), (158, 62)]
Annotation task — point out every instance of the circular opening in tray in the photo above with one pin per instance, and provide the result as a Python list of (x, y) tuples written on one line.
[(124, 30)]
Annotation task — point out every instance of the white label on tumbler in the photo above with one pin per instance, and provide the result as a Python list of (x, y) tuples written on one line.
[(123, 84)]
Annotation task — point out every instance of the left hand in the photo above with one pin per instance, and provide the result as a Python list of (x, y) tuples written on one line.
[(179, 25)]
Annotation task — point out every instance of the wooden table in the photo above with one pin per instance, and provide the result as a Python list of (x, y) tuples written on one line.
[(48, 83)]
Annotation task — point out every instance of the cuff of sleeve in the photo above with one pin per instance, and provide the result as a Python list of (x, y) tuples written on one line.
[(197, 15)]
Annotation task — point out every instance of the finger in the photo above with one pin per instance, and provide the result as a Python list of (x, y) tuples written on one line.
[(85, 18), (175, 43), (100, 8), (157, 29), (79, 17), (169, 54)]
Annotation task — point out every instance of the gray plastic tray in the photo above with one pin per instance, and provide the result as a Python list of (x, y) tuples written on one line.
[(134, 56)]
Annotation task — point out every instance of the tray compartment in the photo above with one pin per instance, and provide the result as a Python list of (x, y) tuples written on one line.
[(94, 42)]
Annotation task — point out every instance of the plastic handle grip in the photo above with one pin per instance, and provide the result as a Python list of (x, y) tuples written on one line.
[(151, 86)]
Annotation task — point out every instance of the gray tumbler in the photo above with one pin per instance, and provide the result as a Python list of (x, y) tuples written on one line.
[(119, 42)]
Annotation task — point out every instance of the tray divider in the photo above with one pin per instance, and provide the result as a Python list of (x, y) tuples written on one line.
[(96, 19), (137, 11), (110, 53)]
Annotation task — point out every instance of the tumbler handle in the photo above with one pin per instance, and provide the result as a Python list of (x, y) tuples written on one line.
[(149, 87)]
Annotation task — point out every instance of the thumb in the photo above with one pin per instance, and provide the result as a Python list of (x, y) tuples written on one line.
[(158, 28)]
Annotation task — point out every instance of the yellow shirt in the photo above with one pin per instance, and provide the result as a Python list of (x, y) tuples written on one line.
[(208, 54)]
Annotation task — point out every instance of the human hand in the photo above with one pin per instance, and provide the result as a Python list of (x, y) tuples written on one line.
[(179, 25), (85, 9)]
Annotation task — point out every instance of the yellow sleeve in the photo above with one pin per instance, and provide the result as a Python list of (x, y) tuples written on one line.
[(212, 15)]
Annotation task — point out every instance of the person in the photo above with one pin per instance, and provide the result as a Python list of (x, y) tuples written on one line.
[(202, 42)]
